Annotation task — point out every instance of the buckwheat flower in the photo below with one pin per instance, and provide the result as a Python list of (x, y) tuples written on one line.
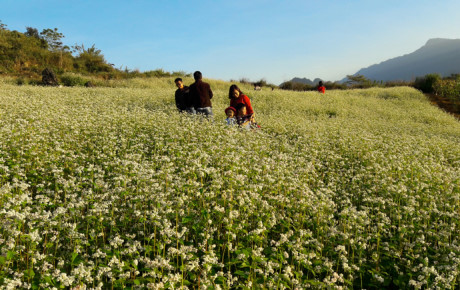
[(116, 242), (379, 278), (286, 255), (288, 271)]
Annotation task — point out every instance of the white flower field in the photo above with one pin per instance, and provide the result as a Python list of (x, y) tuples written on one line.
[(106, 188)]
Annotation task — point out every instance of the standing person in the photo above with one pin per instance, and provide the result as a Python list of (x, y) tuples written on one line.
[(182, 97), (236, 97), (201, 95), (321, 87)]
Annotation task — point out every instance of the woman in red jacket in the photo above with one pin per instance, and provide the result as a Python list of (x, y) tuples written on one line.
[(321, 88), (236, 97)]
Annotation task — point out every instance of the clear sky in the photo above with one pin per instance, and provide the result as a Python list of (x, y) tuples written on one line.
[(272, 39)]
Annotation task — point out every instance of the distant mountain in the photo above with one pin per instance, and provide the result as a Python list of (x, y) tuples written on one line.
[(306, 81), (436, 56)]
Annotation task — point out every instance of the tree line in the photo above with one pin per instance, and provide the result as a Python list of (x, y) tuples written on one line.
[(26, 54), (448, 87)]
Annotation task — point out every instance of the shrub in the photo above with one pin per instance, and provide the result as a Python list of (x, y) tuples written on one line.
[(73, 79), (447, 88), (294, 86), (21, 81), (425, 84)]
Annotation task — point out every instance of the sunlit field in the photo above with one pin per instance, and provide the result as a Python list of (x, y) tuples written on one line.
[(106, 188)]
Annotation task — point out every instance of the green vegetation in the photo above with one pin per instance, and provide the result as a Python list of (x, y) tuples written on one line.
[(26, 55), (448, 88), (353, 82), (111, 188), (426, 84), (295, 86)]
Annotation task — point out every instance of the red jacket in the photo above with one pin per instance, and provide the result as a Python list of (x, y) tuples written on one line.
[(322, 89), (242, 99)]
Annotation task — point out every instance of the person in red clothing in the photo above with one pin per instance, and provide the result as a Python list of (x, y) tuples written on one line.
[(321, 87), (236, 97)]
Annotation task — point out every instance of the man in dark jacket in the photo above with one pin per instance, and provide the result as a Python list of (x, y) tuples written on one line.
[(182, 96), (201, 95)]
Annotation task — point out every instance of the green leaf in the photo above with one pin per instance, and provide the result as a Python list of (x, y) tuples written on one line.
[(10, 255), (186, 219), (220, 280), (74, 256), (49, 280), (29, 273), (241, 274), (137, 282)]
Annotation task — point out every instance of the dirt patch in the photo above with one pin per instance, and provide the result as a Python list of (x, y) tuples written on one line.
[(446, 104)]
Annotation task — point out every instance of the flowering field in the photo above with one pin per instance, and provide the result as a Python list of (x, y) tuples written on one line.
[(110, 187)]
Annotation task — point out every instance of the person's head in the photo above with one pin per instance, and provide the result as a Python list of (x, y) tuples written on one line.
[(197, 75), (234, 92), (230, 112), (179, 83), (320, 83), (240, 109)]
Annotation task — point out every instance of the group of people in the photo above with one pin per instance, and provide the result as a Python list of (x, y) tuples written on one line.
[(196, 99)]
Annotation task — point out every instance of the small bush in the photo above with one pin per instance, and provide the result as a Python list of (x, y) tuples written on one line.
[(72, 80), (21, 81), (448, 88), (425, 84)]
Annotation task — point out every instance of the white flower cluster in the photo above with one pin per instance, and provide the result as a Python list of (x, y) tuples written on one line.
[(110, 187)]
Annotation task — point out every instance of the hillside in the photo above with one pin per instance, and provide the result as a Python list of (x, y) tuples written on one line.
[(438, 55), (111, 188)]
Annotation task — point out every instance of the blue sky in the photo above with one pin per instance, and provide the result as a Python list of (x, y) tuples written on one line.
[(254, 39)]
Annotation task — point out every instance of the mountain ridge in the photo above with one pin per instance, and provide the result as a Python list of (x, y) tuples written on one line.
[(438, 55)]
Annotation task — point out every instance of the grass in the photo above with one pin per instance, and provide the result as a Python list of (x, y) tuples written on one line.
[(110, 187)]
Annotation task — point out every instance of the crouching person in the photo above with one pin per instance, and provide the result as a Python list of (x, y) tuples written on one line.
[(182, 97), (231, 113), (245, 120)]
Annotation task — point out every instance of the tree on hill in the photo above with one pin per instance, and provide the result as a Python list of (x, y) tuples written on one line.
[(32, 32), (359, 81), (28, 54), (53, 39), (90, 59)]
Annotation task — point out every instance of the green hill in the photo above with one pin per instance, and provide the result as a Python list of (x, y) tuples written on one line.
[(110, 187)]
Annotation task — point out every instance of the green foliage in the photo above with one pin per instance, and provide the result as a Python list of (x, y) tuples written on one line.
[(52, 38), (27, 54), (295, 86), (360, 81), (20, 81), (448, 88), (73, 79), (426, 83), (90, 60), (32, 32)]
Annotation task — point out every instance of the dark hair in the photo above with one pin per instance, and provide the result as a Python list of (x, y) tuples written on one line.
[(197, 75), (177, 80), (320, 83), (239, 106), (232, 88)]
